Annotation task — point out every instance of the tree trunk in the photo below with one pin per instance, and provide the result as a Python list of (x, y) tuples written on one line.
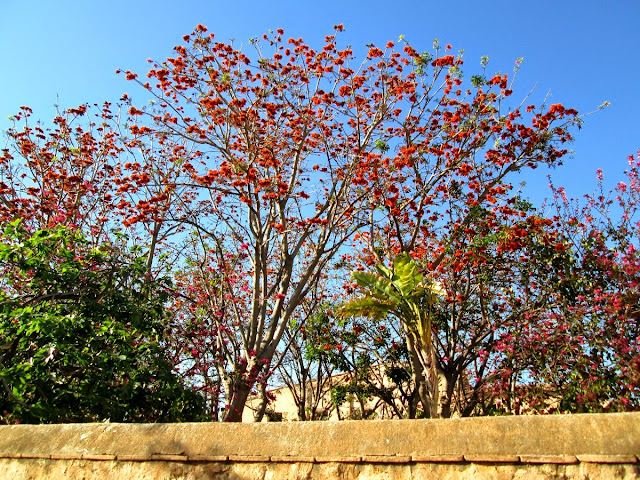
[(420, 375), (239, 391), (235, 405), (432, 382), (413, 402), (446, 399), (425, 373)]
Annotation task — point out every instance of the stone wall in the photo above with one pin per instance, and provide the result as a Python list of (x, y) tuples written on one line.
[(559, 446)]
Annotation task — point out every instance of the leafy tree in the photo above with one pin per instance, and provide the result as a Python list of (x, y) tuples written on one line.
[(81, 333), (306, 371)]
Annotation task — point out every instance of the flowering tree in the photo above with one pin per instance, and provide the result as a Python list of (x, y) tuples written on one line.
[(586, 353), (61, 176), (510, 268), (87, 174), (210, 299), (291, 154)]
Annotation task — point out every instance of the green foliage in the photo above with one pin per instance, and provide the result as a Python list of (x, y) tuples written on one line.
[(400, 291), (370, 307), (478, 80), (403, 292), (339, 395), (382, 146), (80, 334)]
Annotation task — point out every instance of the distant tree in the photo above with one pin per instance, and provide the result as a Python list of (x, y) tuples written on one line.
[(306, 372), (373, 356)]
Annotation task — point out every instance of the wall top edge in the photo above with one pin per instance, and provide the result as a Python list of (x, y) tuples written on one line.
[(582, 436)]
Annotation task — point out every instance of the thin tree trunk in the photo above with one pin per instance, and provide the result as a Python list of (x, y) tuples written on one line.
[(447, 399), (429, 374), (264, 402)]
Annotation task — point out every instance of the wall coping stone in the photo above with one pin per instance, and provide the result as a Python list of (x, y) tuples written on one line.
[(368, 459), (554, 439)]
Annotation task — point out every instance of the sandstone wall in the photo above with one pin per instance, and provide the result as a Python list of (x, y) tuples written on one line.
[(558, 446)]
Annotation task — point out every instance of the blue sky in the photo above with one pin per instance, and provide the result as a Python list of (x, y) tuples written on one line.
[(583, 52)]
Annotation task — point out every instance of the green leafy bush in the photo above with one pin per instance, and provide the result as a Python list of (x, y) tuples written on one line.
[(81, 333)]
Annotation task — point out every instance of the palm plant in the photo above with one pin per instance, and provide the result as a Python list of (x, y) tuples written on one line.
[(402, 291)]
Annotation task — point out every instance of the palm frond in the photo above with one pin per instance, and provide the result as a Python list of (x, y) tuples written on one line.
[(366, 307)]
